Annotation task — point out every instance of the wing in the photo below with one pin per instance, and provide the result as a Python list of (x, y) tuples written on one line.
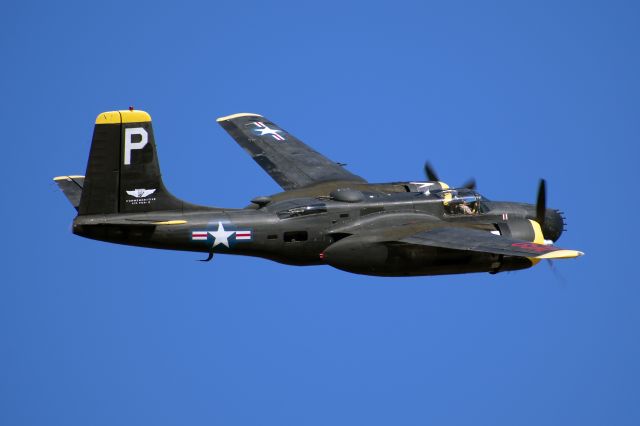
[(290, 162), (483, 241)]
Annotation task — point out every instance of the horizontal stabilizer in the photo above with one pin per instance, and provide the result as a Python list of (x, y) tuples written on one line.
[(71, 186)]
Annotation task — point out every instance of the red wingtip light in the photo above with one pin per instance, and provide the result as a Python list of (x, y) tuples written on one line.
[(131, 108)]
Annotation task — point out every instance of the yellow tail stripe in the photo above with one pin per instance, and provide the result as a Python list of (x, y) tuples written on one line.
[(123, 116)]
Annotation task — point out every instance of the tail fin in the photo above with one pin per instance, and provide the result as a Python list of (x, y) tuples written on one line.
[(123, 175)]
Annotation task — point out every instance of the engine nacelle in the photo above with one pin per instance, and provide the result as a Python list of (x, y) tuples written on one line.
[(357, 253), (371, 255), (522, 229)]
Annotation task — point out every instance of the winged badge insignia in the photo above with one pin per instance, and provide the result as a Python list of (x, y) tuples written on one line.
[(141, 192)]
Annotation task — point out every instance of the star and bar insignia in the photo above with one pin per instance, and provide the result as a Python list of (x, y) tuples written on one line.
[(221, 235)]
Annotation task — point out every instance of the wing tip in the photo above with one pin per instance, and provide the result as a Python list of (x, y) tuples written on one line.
[(67, 177), (561, 254), (240, 114)]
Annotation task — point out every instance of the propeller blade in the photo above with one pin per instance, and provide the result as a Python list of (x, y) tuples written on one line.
[(430, 172), (433, 176), (556, 273), (470, 184), (541, 202)]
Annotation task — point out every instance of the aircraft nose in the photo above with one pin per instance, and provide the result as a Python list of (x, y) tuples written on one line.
[(554, 223)]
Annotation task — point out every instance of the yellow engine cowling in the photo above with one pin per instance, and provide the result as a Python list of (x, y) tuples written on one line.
[(523, 229)]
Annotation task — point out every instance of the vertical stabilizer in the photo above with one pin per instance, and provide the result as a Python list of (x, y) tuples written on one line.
[(123, 174)]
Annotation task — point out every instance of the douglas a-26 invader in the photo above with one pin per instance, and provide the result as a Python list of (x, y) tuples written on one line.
[(325, 215)]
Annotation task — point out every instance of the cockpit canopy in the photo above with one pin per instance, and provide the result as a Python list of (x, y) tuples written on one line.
[(297, 211), (460, 201)]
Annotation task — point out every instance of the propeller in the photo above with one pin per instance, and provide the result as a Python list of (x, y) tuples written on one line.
[(433, 176), (541, 202), (556, 273), (541, 213), (470, 184), (430, 172)]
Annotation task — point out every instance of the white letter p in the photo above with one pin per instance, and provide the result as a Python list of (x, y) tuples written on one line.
[(129, 145)]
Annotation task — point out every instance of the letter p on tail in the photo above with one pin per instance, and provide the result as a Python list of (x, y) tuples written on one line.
[(129, 145)]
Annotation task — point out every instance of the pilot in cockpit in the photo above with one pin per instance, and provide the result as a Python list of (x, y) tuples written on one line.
[(464, 208), (459, 201)]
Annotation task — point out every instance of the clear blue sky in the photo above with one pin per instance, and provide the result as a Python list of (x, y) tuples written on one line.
[(508, 92)]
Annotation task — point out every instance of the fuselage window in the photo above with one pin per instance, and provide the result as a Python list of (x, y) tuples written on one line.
[(370, 210), (293, 236)]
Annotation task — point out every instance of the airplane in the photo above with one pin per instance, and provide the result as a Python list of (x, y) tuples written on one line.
[(325, 214)]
